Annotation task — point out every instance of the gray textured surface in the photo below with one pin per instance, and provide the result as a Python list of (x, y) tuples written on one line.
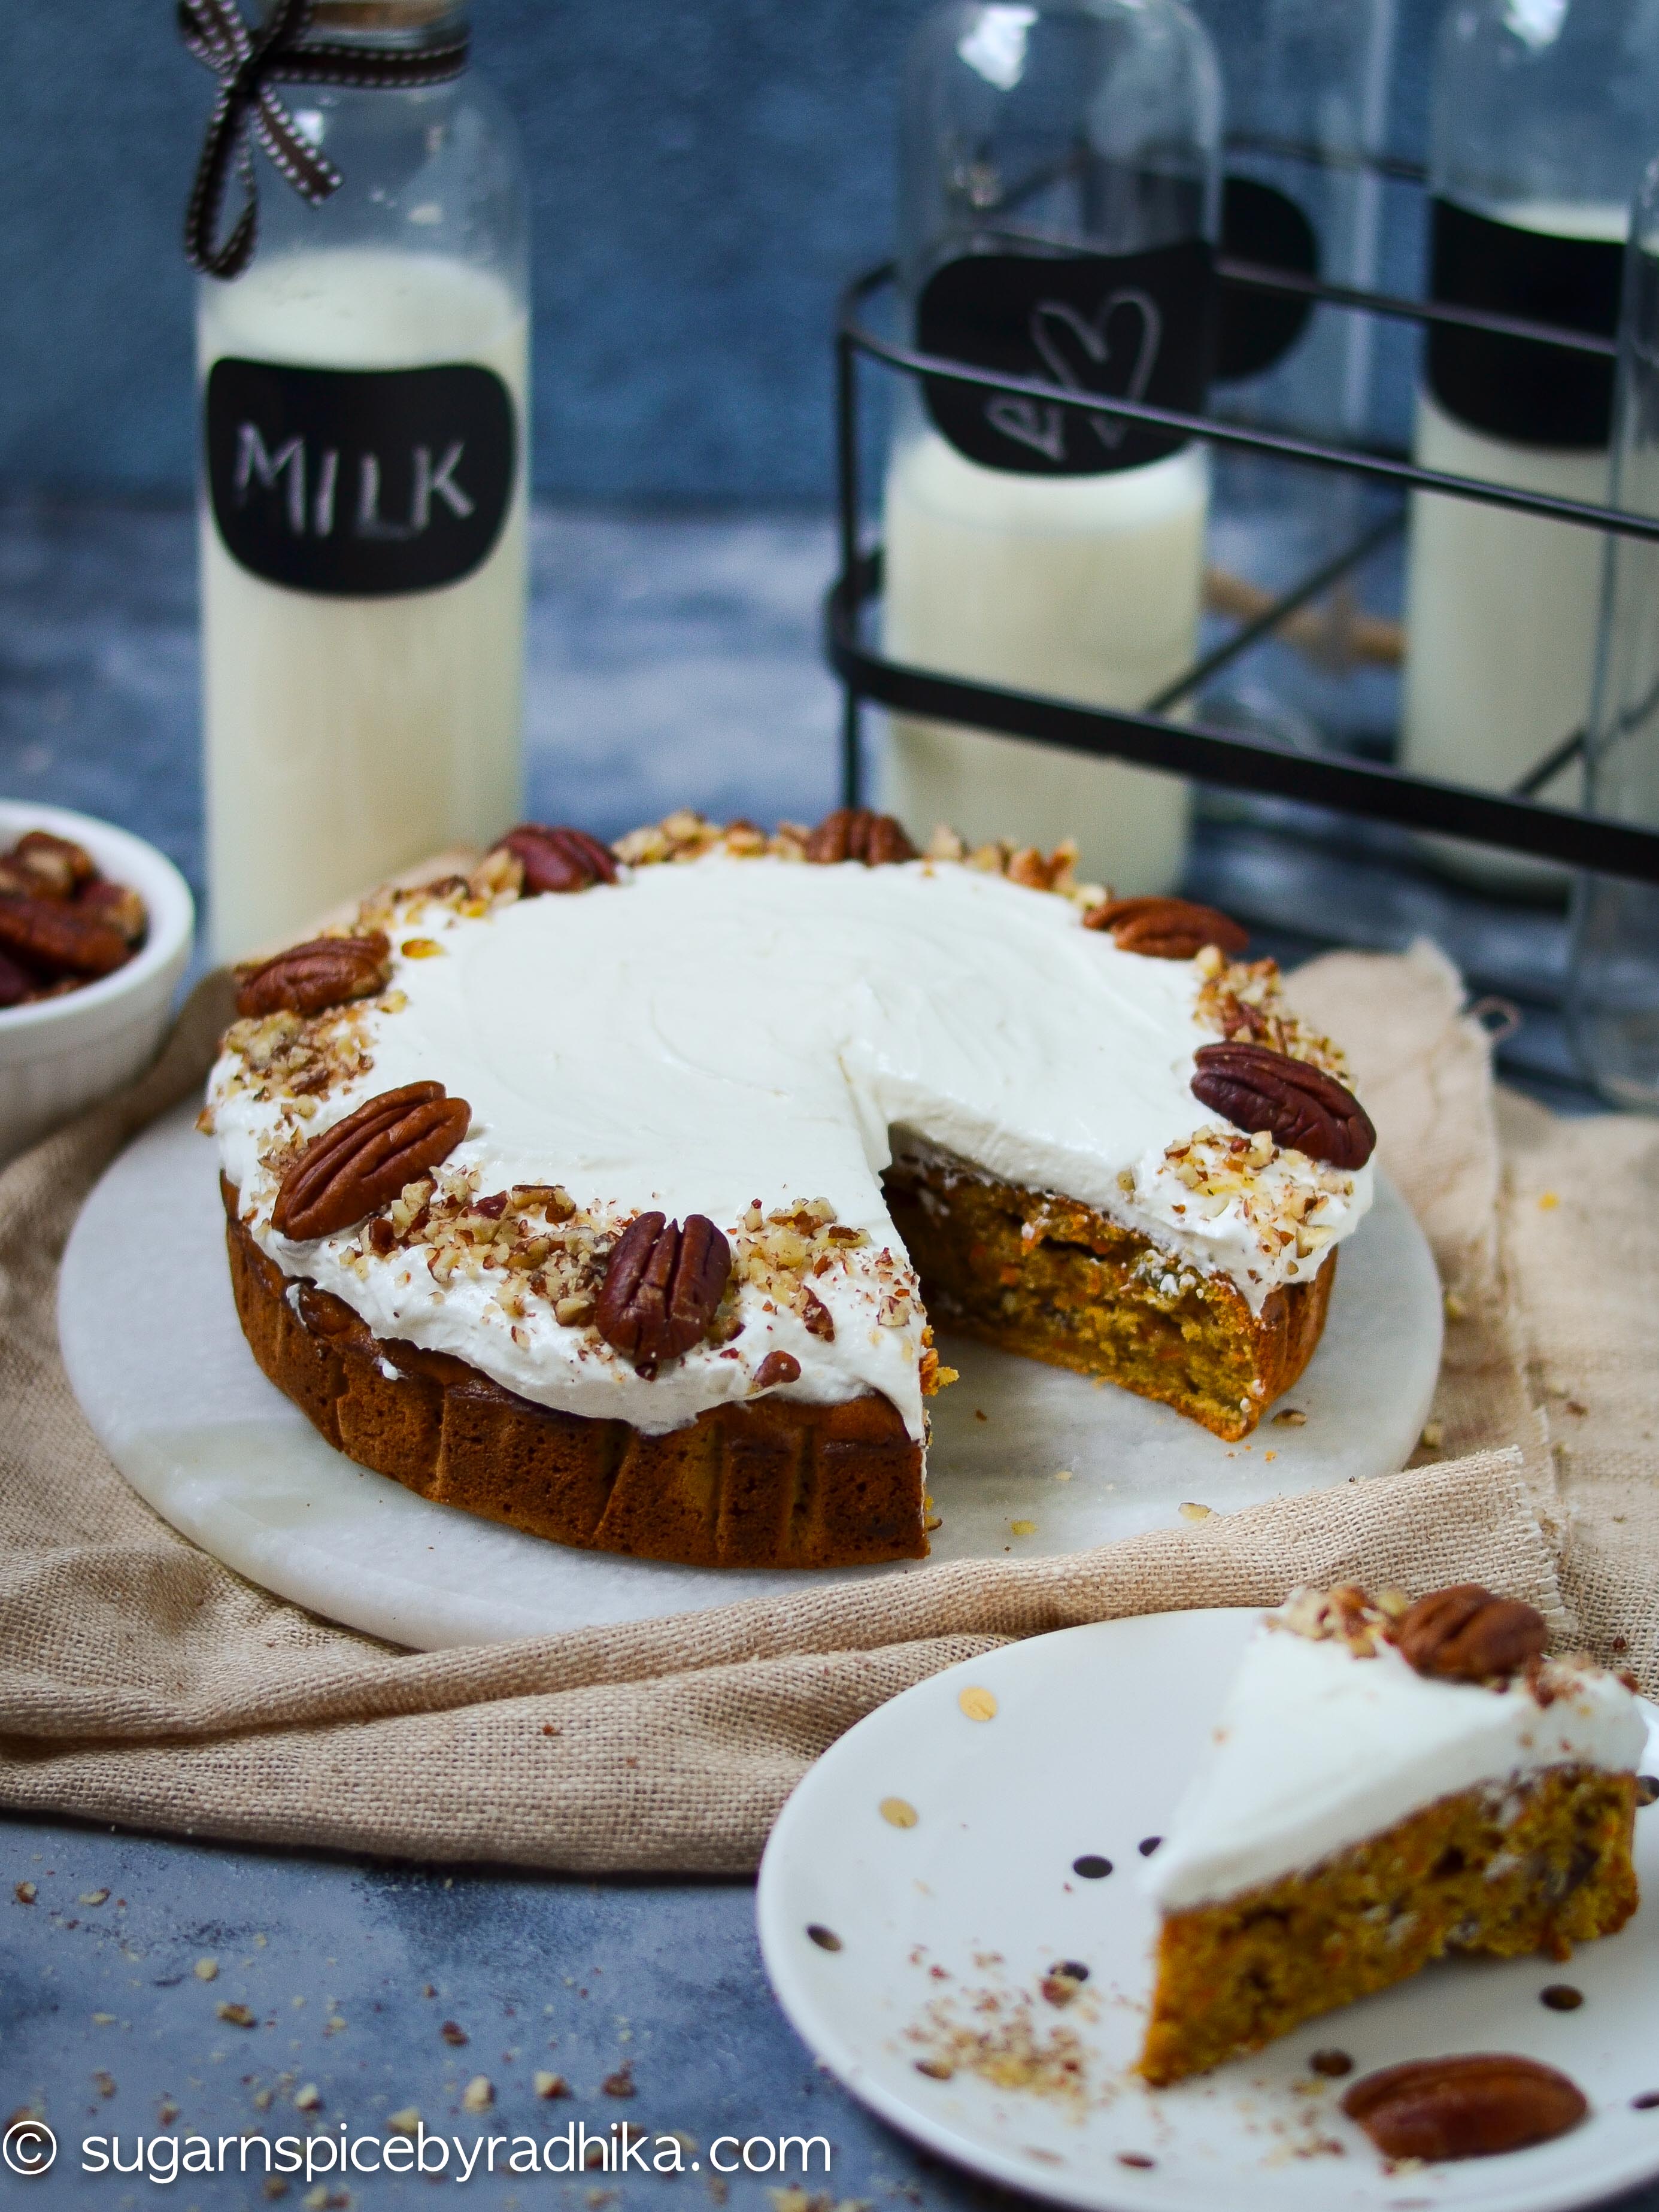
[(703, 180)]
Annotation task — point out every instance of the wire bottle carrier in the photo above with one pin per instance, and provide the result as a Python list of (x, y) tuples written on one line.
[(1513, 820)]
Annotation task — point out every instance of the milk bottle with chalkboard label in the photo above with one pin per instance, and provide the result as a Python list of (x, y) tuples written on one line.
[(1545, 114), (363, 389), (1060, 197)]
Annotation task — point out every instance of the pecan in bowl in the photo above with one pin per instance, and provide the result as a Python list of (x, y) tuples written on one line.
[(63, 922)]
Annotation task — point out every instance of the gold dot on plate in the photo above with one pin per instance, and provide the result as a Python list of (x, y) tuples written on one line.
[(978, 1704), (1023, 1527), (897, 1812)]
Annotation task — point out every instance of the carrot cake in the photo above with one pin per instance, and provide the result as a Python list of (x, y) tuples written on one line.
[(610, 1191), (1387, 1783)]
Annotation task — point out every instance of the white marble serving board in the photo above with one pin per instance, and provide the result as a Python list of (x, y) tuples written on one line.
[(156, 1358)]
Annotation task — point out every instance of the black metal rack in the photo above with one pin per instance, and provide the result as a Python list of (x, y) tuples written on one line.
[(1512, 820)]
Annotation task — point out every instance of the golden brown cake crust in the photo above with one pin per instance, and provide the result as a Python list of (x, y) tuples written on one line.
[(770, 1483), (1045, 1276), (1540, 1867)]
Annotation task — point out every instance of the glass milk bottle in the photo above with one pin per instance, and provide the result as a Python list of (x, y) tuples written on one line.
[(1058, 200), (1613, 987), (1307, 116), (1544, 115), (363, 512)]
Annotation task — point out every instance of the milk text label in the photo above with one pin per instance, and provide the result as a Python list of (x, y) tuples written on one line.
[(359, 484)]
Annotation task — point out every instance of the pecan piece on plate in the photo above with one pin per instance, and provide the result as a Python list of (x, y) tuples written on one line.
[(325, 971), (1166, 928), (1475, 2106), (661, 1288), (854, 833), (56, 940), (55, 868), (1467, 1635), (363, 1163), (1296, 1103), (555, 858)]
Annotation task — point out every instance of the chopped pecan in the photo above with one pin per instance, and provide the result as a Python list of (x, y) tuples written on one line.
[(854, 833), (56, 940), (1296, 1103), (661, 1287), (56, 867), (555, 858), (14, 985), (1166, 928), (1475, 2106), (325, 971), (818, 1318), (117, 904), (363, 1163), (777, 1367), (1467, 1635)]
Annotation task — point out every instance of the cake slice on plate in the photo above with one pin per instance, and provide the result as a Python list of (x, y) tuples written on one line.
[(1387, 1783)]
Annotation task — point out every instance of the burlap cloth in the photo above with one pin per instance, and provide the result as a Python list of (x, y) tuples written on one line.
[(142, 1682)]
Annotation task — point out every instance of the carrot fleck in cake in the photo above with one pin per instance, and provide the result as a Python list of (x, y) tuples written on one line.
[(1387, 1783), (612, 1191)]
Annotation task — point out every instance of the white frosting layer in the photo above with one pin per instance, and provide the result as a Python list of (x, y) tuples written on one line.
[(699, 1036), (1317, 1749)]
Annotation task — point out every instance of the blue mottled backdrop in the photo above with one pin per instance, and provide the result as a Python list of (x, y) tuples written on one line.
[(704, 177)]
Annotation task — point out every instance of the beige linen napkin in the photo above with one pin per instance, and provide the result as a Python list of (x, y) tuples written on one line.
[(142, 1682)]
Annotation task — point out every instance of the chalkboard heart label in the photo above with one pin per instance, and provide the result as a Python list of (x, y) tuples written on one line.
[(1131, 326)]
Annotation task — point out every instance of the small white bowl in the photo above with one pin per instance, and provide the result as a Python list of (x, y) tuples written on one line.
[(61, 1055)]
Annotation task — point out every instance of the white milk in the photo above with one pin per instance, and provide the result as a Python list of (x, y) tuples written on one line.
[(1086, 588), (347, 738), (1501, 609)]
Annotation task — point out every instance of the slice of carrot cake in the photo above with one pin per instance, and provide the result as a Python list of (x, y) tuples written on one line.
[(1387, 1783)]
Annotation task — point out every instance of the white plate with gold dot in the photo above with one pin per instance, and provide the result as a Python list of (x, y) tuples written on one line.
[(952, 1851)]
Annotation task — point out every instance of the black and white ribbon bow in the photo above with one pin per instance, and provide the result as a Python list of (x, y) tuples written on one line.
[(248, 63)]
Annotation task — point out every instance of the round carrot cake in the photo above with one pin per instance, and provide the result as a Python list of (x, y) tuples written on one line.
[(613, 1192)]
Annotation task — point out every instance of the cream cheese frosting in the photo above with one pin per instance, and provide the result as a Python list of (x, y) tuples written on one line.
[(1317, 1749), (748, 1031)]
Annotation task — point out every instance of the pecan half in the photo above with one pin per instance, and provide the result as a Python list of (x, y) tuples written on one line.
[(661, 1288), (1256, 1088), (363, 1163), (325, 971), (55, 866), (1467, 1635), (555, 858), (1471, 2106), (1166, 928), (57, 940), (854, 833), (117, 904)]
